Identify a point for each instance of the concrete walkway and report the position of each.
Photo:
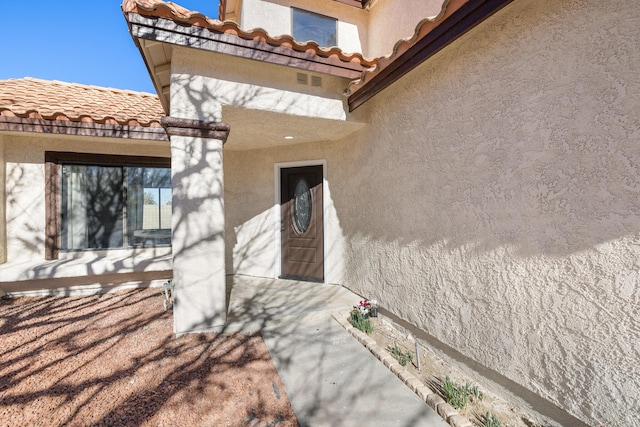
(330, 378)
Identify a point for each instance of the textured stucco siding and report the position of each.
(275, 17)
(495, 202)
(492, 200)
(25, 268)
(390, 21)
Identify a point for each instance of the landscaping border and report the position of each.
(430, 397)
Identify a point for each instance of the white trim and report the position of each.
(83, 290)
(276, 211)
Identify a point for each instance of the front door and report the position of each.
(301, 223)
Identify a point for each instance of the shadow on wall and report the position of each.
(251, 232)
(493, 202)
(26, 243)
(21, 225)
(249, 227)
(512, 254)
(251, 246)
(512, 147)
(495, 192)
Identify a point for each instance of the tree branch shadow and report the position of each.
(112, 359)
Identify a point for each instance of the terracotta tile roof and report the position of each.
(423, 28)
(54, 100)
(174, 12)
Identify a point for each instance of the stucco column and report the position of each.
(197, 223)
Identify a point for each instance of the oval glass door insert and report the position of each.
(302, 206)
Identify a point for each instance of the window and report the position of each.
(312, 26)
(105, 202)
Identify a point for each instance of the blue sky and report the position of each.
(78, 41)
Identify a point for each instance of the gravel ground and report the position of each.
(112, 359)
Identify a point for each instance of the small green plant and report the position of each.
(457, 395)
(490, 420)
(402, 357)
(474, 392)
(360, 321)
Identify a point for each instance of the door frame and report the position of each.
(277, 215)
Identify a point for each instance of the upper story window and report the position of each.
(312, 26)
(106, 202)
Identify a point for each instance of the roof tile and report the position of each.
(177, 13)
(423, 28)
(54, 100)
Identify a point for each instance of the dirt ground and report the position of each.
(112, 359)
(434, 369)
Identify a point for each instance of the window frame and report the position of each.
(335, 20)
(53, 188)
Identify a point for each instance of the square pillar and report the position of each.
(197, 224)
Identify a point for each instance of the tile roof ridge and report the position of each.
(423, 27)
(172, 11)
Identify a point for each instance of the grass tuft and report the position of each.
(490, 420)
(459, 396)
(361, 322)
(404, 358)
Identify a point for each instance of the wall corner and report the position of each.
(3, 203)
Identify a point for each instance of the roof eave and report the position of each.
(164, 99)
(86, 129)
(167, 31)
(450, 29)
(355, 3)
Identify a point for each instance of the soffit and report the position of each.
(254, 129)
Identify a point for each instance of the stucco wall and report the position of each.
(494, 202)
(3, 222)
(208, 93)
(250, 196)
(250, 225)
(390, 21)
(199, 90)
(275, 17)
(26, 268)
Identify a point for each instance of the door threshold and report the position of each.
(300, 278)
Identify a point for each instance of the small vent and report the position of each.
(316, 81)
(302, 78)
